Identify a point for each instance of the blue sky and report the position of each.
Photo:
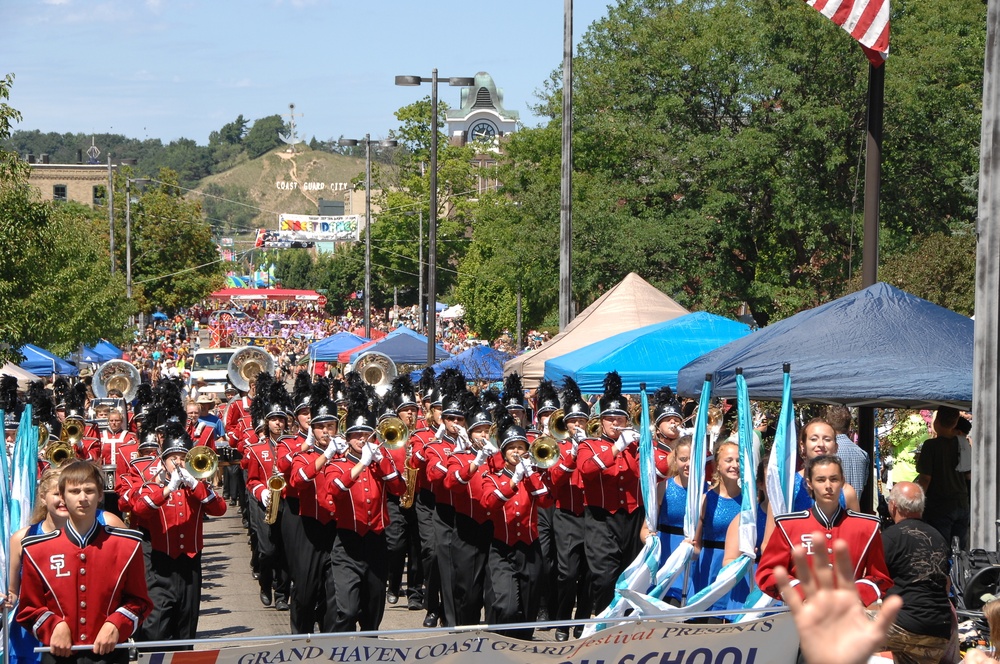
(182, 68)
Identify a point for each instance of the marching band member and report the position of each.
(546, 403)
(199, 430)
(667, 423)
(357, 483)
(229, 456)
(825, 478)
(402, 532)
(608, 469)
(436, 452)
(572, 576)
(63, 606)
(172, 508)
(260, 458)
(513, 401)
(298, 558)
(514, 495)
(425, 499)
(473, 529)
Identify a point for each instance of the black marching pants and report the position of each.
(424, 507)
(403, 539)
(270, 551)
(611, 541)
(470, 549)
(307, 545)
(360, 566)
(175, 589)
(514, 572)
(572, 574)
(444, 533)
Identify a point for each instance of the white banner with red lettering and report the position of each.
(771, 640)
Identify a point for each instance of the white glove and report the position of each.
(367, 455)
(175, 481)
(490, 449)
(265, 498)
(481, 456)
(341, 444)
(620, 444)
(376, 453)
(579, 436)
(518, 474)
(310, 439)
(331, 449)
(576, 448)
(529, 469)
(440, 432)
(630, 436)
(188, 478)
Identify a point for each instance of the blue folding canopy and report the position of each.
(476, 363)
(106, 347)
(403, 346)
(42, 363)
(651, 354)
(877, 347)
(93, 355)
(327, 350)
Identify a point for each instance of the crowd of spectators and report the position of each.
(286, 329)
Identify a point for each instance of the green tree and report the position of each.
(175, 262)
(263, 136)
(225, 212)
(716, 147)
(293, 268)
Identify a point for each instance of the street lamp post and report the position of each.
(432, 228)
(128, 231)
(367, 140)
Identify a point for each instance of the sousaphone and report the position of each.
(376, 369)
(117, 375)
(246, 364)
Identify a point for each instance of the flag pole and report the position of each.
(875, 107)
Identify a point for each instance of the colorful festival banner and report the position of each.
(771, 640)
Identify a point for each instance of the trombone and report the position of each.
(557, 425)
(544, 452)
(392, 433)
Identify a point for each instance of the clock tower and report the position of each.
(481, 119)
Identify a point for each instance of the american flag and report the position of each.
(865, 20)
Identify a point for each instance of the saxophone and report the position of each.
(410, 475)
(275, 484)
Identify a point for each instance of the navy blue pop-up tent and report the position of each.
(650, 354)
(108, 348)
(43, 363)
(877, 347)
(403, 346)
(476, 363)
(93, 355)
(326, 350)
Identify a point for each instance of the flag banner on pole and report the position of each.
(5, 530)
(867, 21)
(771, 640)
(748, 470)
(780, 478)
(696, 478)
(24, 475)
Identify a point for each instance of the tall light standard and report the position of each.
(432, 228)
(128, 230)
(367, 140)
(420, 268)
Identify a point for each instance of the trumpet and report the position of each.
(557, 425)
(392, 432)
(59, 452)
(201, 462)
(544, 452)
(72, 431)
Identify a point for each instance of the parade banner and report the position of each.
(771, 640)
(319, 229)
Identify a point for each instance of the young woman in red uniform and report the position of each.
(825, 479)
(514, 495)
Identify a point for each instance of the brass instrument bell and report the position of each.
(544, 452)
(557, 425)
(392, 432)
(201, 462)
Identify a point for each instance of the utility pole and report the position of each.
(111, 213)
(566, 187)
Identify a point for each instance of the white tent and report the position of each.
(456, 311)
(24, 378)
(631, 304)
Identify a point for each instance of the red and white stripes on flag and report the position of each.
(865, 20)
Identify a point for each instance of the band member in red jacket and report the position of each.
(260, 459)
(402, 533)
(425, 500)
(172, 508)
(608, 469)
(667, 423)
(514, 495)
(825, 479)
(60, 603)
(572, 576)
(358, 483)
(313, 599)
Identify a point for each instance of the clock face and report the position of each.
(482, 131)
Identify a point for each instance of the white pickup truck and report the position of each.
(210, 365)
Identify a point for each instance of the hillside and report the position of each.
(270, 181)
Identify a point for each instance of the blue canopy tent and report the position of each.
(42, 363)
(651, 354)
(403, 346)
(877, 347)
(326, 350)
(91, 355)
(108, 348)
(476, 363)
